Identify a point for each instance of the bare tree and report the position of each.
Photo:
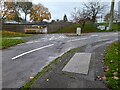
(81, 17)
(116, 17)
(94, 8)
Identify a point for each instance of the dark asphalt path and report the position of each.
(37, 53)
(60, 79)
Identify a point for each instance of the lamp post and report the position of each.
(111, 14)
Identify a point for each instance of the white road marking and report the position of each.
(109, 35)
(31, 51)
(77, 39)
(51, 37)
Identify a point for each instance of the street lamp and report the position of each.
(111, 14)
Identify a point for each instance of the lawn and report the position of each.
(89, 27)
(6, 39)
(10, 42)
(115, 27)
(72, 29)
(112, 63)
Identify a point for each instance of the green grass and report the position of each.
(115, 27)
(70, 29)
(6, 42)
(89, 27)
(13, 34)
(47, 68)
(112, 61)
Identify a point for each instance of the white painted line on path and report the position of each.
(77, 39)
(52, 38)
(109, 35)
(31, 51)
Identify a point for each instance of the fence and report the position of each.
(51, 27)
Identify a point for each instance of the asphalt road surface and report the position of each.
(21, 62)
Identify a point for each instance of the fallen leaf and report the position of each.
(31, 77)
(106, 69)
(47, 80)
(102, 61)
(98, 76)
(111, 61)
(115, 73)
(117, 69)
(100, 79)
(116, 78)
(103, 78)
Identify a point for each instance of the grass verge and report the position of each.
(7, 41)
(13, 34)
(115, 27)
(112, 63)
(89, 27)
(47, 68)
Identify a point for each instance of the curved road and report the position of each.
(26, 60)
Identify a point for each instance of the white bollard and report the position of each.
(78, 31)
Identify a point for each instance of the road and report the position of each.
(21, 62)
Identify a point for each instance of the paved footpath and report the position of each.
(21, 62)
(56, 78)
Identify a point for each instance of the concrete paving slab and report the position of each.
(79, 63)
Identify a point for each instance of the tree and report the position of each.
(25, 7)
(65, 18)
(111, 14)
(115, 18)
(107, 17)
(1, 10)
(94, 8)
(81, 17)
(10, 11)
(9, 7)
(39, 13)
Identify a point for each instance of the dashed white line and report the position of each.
(31, 51)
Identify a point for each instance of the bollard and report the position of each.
(78, 31)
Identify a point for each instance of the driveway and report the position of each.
(21, 62)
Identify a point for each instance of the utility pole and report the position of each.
(111, 14)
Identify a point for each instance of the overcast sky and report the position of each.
(61, 7)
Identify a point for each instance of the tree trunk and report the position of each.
(25, 16)
(1, 24)
(83, 25)
(93, 19)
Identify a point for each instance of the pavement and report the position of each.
(59, 78)
(21, 62)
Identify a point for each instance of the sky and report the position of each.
(61, 7)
